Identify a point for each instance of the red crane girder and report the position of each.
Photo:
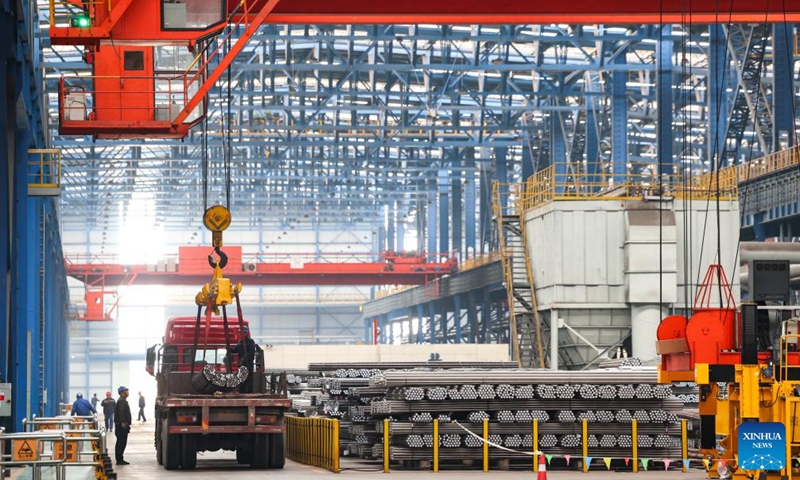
(191, 268)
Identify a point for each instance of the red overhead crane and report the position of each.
(132, 97)
(191, 268)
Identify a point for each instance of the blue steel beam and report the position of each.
(783, 95)
(664, 102)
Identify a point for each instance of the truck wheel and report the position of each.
(189, 452)
(171, 448)
(159, 451)
(260, 456)
(243, 455)
(277, 458)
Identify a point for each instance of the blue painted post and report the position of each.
(717, 97)
(420, 316)
(6, 22)
(430, 210)
(619, 122)
(558, 150)
(783, 93)
(485, 210)
(456, 200)
(527, 160)
(501, 175)
(444, 212)
(390, 226)
(486, 318)
(432, 321)
(457, 318)
(592, 159)
(664, 100)
(469, 202)
(472, 314)
(401, 233)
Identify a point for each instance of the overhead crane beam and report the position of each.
(500, 12)
(286, 269)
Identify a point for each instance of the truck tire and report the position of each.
(244, 455)
(277, 457)
(260, 456)
(189, 452)
(171, 448)
(159, 452)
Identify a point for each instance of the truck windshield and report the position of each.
(211, 355)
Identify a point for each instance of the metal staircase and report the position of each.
(746, 44)
(525, 322)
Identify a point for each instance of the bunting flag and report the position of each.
(588, 461)
(705, 463)
(645, 461)
(666, 461)
(627, 461)
(550, 457)
(686, 464)
(607, 461)
(568, 457)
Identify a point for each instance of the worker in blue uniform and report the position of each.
(82, 407)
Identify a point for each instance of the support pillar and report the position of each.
(716, 97)
(619, 122)
(444, 213)
(783, 97)
(469, 203)
(664, 100)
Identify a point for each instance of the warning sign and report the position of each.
(25, 450)
(46, 426)
(72, 451)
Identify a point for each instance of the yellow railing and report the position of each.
(313, 441)
(74, 7)
(479, 261)
(46, 179)
(574, 181)
(761, 166)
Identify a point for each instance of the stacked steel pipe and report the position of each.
(510, 399)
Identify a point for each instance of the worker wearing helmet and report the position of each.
(245, 350)
(82, 407)
(109, 405)
(122, 419)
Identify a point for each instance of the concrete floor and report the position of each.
(223, 466)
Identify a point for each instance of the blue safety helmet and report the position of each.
(79, 396)
(121, 389)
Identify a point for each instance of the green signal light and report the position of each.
(80, 21)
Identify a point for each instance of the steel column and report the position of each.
(783, 97)
(444, 212)
(664, 100)
(716, 96)
(457, 219)
(619, 122)
(469, 204)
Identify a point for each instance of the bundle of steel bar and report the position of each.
(435, 364)
(419, 378)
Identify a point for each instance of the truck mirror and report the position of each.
(151, 360)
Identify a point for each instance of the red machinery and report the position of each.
(712, 335)
(136, 93)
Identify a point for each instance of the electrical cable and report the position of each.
(714, 156)
(744, 195)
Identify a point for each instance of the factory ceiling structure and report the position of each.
(388, 126)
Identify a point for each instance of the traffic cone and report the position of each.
(542, 468)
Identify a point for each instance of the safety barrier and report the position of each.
(313, 441)
(84, 445)
(634, 460)
(44, 178)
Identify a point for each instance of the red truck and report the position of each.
(191, 420)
